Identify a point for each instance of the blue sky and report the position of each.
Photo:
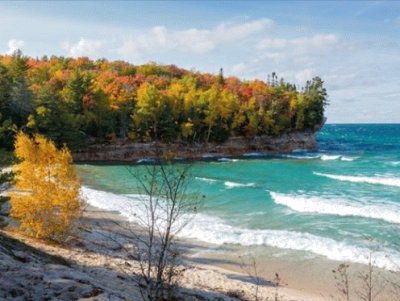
(354, 46)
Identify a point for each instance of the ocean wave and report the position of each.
(302, 157)
(323, 157)
(208, 180)
(253, 154)
(227, 160)
(387, 181)
(229, 184)
(389, 212)
(330, 157)
(214, 230)
(145, 160)
(348, 158)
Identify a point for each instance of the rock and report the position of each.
(234, 146)
(21, 256)
(5, 208)
(31, 275)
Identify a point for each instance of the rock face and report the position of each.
(29, 274)
(235, 146)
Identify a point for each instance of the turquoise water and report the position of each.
(338, 203)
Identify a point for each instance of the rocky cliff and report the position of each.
(236, 146)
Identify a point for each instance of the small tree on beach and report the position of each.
(161, 214)
(342, 281)
(47, 197)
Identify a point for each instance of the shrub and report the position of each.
(47, 199)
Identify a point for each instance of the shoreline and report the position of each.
(123, 151)
(304, 276)
(214, 272)
(93, 254)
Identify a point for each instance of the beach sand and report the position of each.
(214, 272)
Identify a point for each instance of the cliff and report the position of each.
(121, 151)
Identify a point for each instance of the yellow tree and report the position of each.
(47, 199)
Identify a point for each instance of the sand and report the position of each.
(211, 272)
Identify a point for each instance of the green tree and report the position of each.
(316, 99)
(20, 101)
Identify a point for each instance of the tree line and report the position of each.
(80, 101)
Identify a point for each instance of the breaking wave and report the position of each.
(387, 181)
(389, 212)
(216, 231)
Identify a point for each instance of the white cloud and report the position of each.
(84, 47)
(193, 40)
(14, 45)
(232, 32)
(315, 42)
(304, 75)
(238, 68)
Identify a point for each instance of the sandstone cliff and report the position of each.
(236, 146)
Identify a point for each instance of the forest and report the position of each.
(79, 101)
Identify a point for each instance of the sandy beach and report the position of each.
(211, 272)
(95, 252)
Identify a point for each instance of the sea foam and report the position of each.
(227, 160)
(207, 180)
(229, 184)
(330, 157)
(389, 211)
(387, 181)
(214, 230)
(348, 158)
(302, 157)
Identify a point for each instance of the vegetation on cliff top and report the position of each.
(78, 101)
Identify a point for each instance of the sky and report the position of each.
(353, 46)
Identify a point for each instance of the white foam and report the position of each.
(214, 230)
(253, 154)
(145, 160)
(208, 180)
(388, 181)
(228, 160)
(229, 184)
(329, 157)
(302, 157)
(348, 158)
(389, 211)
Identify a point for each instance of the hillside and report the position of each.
(81, 102)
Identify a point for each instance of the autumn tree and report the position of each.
(47, 198)
(78, 101)
(149, 101)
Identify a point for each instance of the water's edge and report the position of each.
(235, 146)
